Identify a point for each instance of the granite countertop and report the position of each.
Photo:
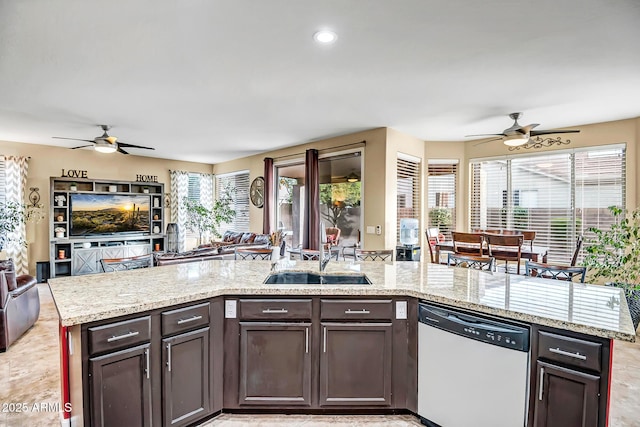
(590, 309)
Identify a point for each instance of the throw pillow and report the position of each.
(10, 273)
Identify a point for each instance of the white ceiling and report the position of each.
(208, 81)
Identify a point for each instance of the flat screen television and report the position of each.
(107, 214)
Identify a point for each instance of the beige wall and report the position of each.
(373, 174)
(47, 161)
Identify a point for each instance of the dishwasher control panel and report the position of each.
(479, 328)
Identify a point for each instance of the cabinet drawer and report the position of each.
(356, 309)
(250, 309)
(184, 319)
(119, 335)
(571, 351)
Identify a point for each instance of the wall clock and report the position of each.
(256, 192)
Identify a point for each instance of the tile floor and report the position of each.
(30, 386)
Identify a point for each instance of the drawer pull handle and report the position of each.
(576, 355)
(275, 310)
(363, 311)
(541, 383)
(324, 350)
(122, 337)
(306, 340)
(190, 319)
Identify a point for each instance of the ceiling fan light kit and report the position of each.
(516, 140)
(105, 147)
(352, 177)
(106, 143)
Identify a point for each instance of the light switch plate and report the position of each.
(230, 308)
(371, 229)
(401, 309)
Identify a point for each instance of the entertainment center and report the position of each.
(92, 220)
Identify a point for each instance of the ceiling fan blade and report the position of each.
(527, 128)
(484, 142)
(550, 131)
(73, 139)
(487, 134)
(82, 146)
(124, 144)
(120, 150)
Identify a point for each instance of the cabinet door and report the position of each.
(275, 363)
(85, 261)
(355, 364)
(565, 397)
(186, 385)
(120, 388)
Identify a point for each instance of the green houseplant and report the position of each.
(200, 219)
(613, 255)
(11, 216)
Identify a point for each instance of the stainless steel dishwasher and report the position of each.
(472, 371)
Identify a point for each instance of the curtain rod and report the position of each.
(360, 143)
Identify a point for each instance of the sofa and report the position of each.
(224, 249)
(19, 304)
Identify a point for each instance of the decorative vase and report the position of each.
(156, 229)
(60, 203)
(59, 235)
(145, 190)
(113, 188)
(60, 218)
(156, 202)
(275, 253)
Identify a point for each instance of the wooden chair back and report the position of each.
(470, 261)
(556, 272)
(253, 254)
(129, 263)
(385, 255)
(432, 239)
(505, 248)
(468, 243)
(574, 258)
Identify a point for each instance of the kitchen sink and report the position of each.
(294, 277)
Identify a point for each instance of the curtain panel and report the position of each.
(16, 169)
(179, 190)
(269, 196)
(312, 200)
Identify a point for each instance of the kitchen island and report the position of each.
(224, 312)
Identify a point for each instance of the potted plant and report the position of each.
(613, 255)
(145, 190)
(60, 199)
(202, 220)
(73, 186)
(440, 217)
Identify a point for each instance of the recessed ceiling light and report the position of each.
(325, 36)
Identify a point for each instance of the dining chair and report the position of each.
(471, 261)
(557, 272)
(253, 254)
(505, 248)
(128, 263)
(432, 234)
(374, 255)
(574, 258)
(468, 243)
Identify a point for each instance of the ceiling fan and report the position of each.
(105, 143)
(517, 135)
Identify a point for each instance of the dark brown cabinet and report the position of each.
(185, 377)
(275, 363)
(569, 379)
(565, 397)
(121, 388)
(355, 364)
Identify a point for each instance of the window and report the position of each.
(408, 182)
(3, 181)
(558, 195)
(442, 176)
(236, 186)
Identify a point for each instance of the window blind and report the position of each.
(3, 181)
(558, 195)
(408, 190)
(235, 186)
(441, 195)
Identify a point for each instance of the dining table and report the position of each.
(534, 253)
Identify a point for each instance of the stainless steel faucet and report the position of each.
(322, 239)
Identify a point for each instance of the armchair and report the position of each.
(19, 304)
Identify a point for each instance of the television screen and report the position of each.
(93, 214)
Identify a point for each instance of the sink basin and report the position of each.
(297, 278)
